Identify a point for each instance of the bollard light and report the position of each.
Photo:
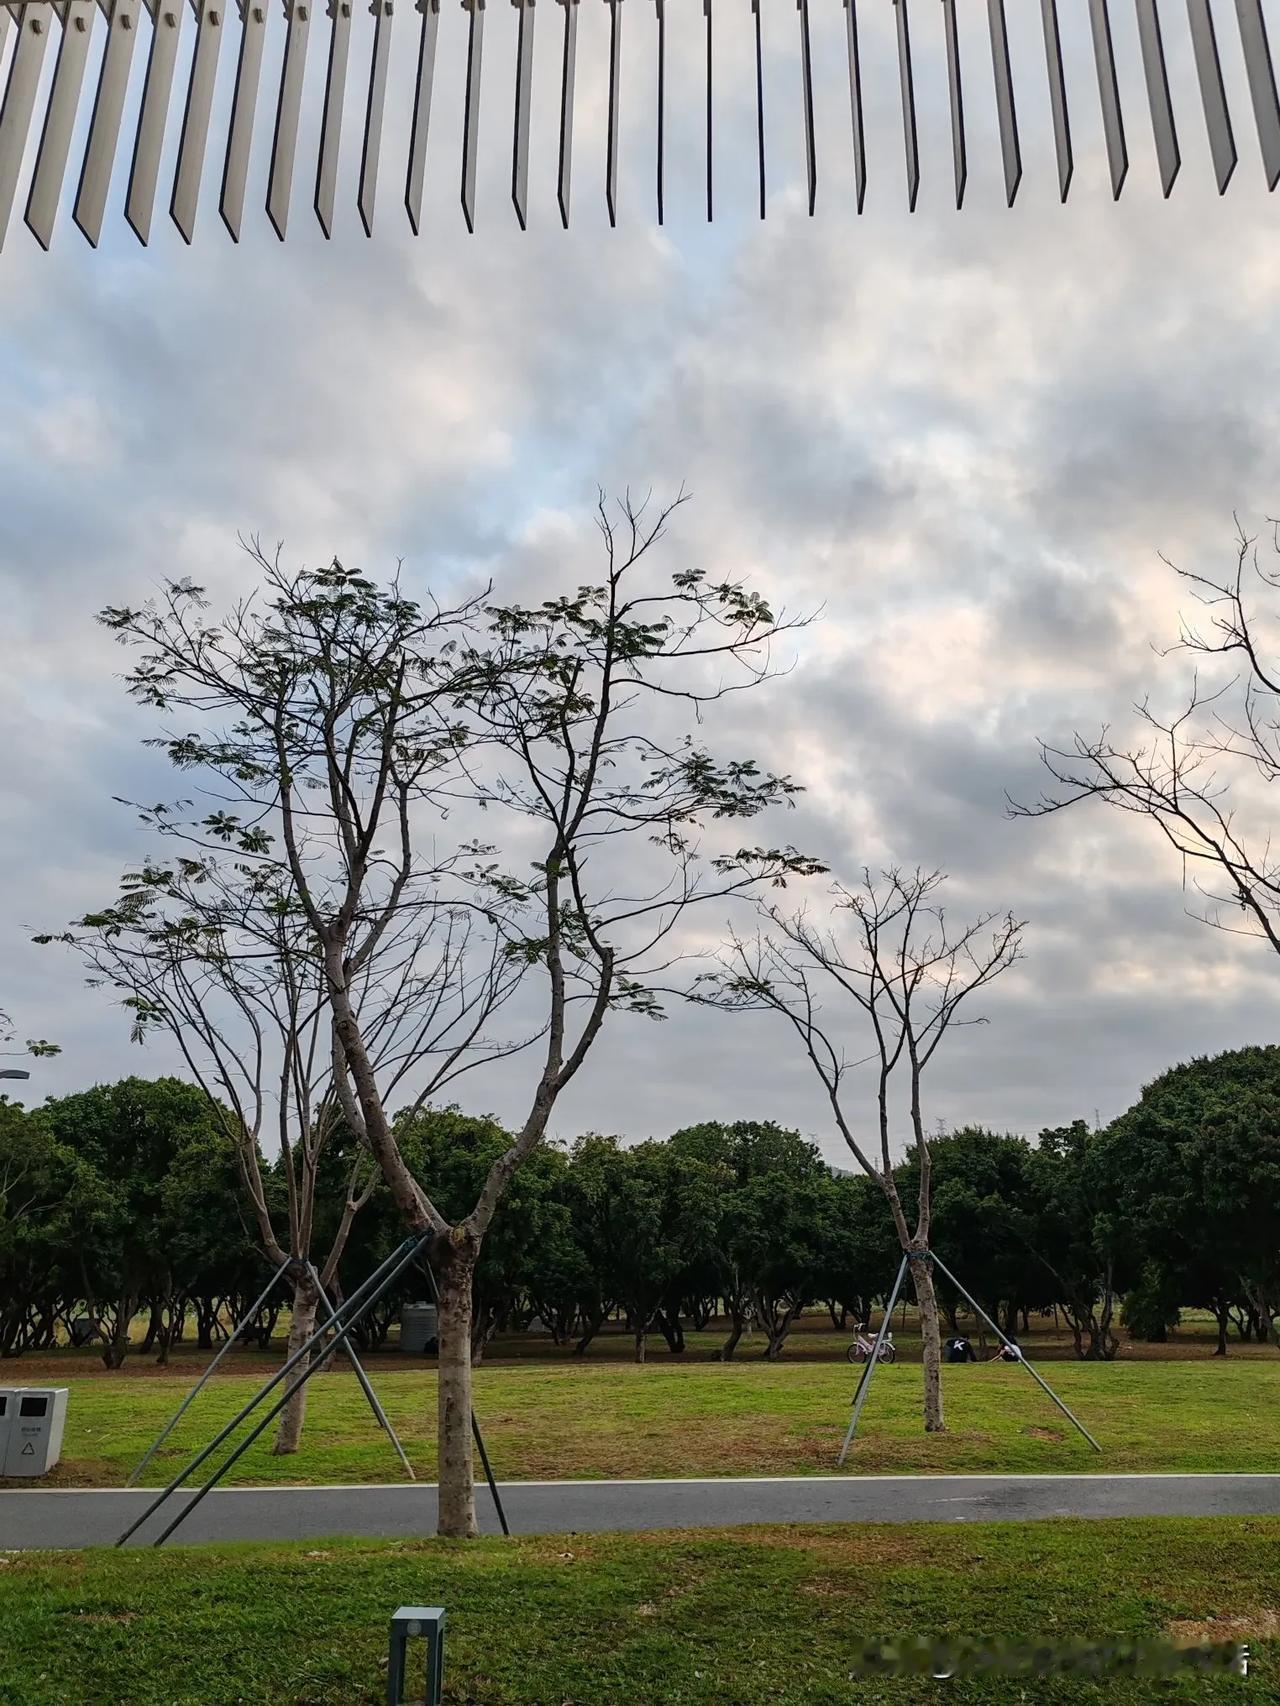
(416, 1622)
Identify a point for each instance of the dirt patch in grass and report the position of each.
(853, 1545)
(1260, 1625)
(1054, 1434)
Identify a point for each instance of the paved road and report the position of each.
(87, 1518)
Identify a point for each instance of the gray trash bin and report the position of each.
(34, 1445)
(419, 1329)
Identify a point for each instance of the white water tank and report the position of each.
(419, 1329)
(37, 1415)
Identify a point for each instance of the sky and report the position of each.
(965, 438)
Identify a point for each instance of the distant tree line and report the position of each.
(123, 1202)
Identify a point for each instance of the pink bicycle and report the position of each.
(861, 1348)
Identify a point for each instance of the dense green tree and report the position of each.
(983, 1222)
(129, 1136)
(644, 1215)
(859, 1252)
(765, 1259)
(1191, 1168)
(52, 1204)
(1079, 1235)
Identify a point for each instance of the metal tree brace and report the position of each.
(76, 20)
(334, 1332)
(864, 1384)
(285, 1270)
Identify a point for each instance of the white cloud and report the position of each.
(965, 436)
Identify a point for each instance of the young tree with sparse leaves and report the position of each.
(892, 955)
(351, 727)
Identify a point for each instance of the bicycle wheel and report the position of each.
(855, 1353)
(888, 1353)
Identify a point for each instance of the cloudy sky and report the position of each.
(965, 437)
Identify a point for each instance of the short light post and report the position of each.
(409, 1622)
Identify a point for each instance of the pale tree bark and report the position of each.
(931, 1335)
(306, 1300)
(456, 1261)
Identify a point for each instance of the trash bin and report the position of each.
(37, 1416)
(419, 1329)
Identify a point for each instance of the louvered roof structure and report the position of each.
(98, 46)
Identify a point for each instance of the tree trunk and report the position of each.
(306, 1300)
(931, 1333)
(1222, 1319)
(591, 1325)
(735, 1333)
(456, 1518)
(672, 1330)
(117, 1348)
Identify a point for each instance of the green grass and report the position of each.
(546, 1421)
(729, 1617)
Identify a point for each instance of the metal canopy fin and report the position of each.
(195, 118)
(661, 9)
(414, 180)
(855, 102)
(144, 169)
(371, 149)
(19, 102)
(956, 96)
(564, 169)
(615, 67)
(104, 126)
(1158, 98)
(1057, 94)
(1213, 97)
(335, 89)
(471, 107)
(806, 73)
(755, 13)
(907, 84)
(1262, 85)
(244, 101)
(284, 142)
(1109, 94)
(59, 119)
(706, 8)
(524, 91)
(1006, 111)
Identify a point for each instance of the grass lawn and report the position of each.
(544, 1421)
(728, 1617)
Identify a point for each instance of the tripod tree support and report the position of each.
(340, 1337)
(864, 1385)
(186, 1403)
(380, 1415)
(1074, 1420)
(239, 1329)
(348, 1313)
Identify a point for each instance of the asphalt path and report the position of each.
(75, 1517)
